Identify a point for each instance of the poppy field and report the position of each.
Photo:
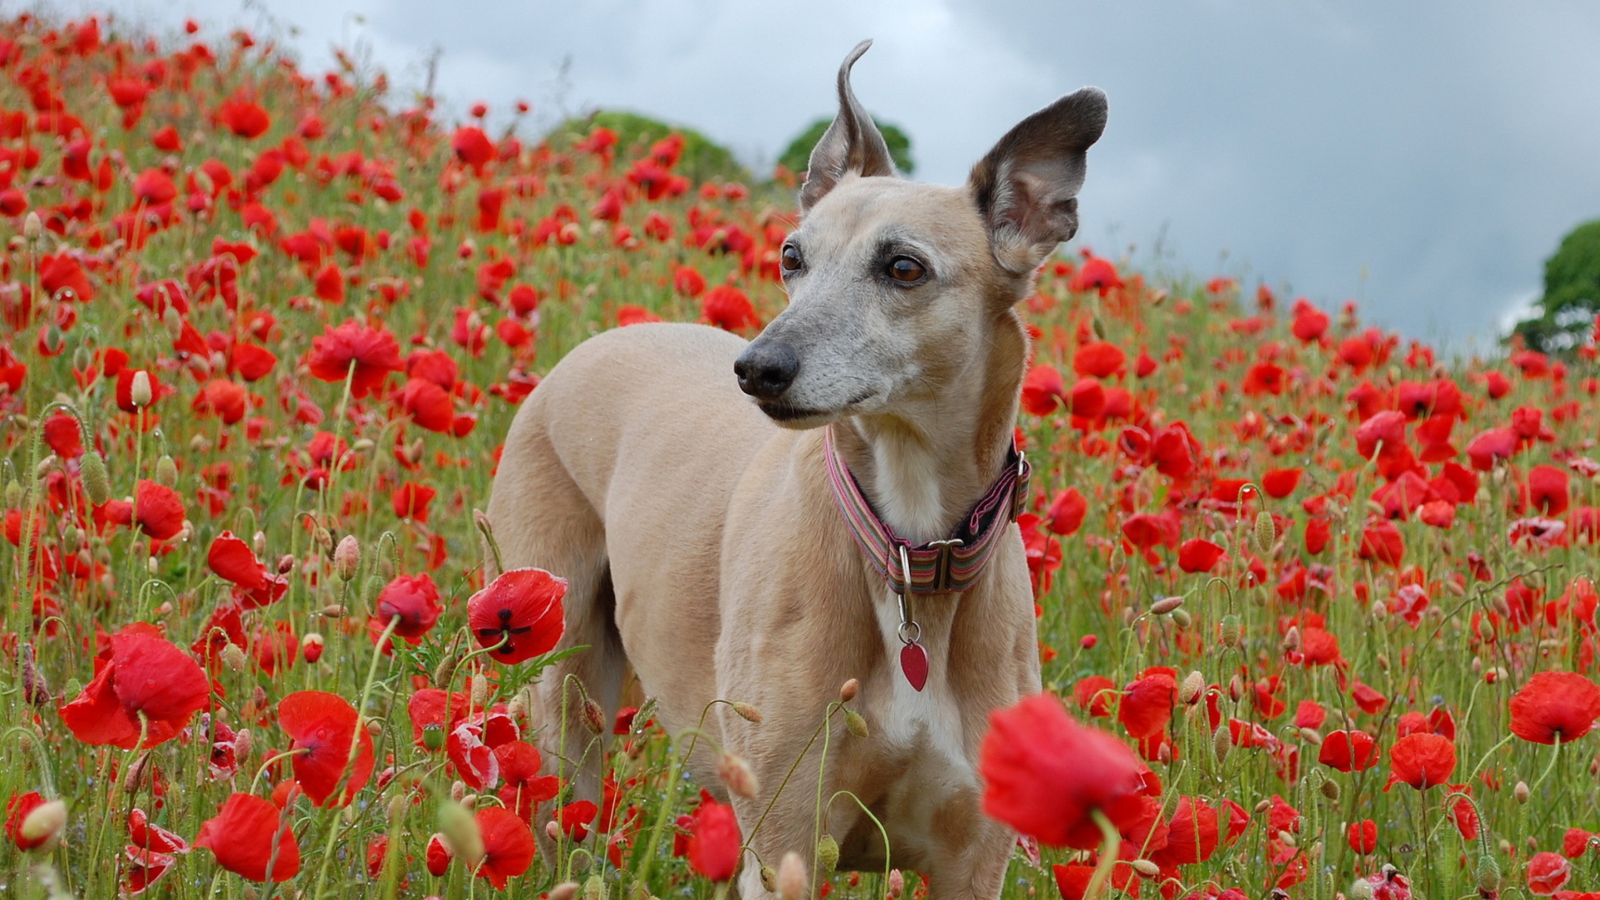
(1316, 605)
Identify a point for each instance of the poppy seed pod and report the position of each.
(854, 723)
(140, 392)
(747, 712)
(96, 480)
(827, 853)
(1266, 533)
(32, 226)
(1231, 631)
(1193, 685)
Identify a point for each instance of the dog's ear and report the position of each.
(1026, 187)
(851, 144)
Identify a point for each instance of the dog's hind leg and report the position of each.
(541, 518)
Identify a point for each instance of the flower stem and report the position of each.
(1108, 856)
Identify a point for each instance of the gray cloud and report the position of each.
(1423, 158)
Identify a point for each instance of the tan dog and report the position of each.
(703, 541)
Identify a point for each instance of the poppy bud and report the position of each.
(433, 736)
(791, 877)
(1266, 533)
(1521, 792)
(96, 480)
(139, 390)
(1182, 618)
(478, 689)
(43, 825)
(854, 723)
(1165, 605)
(594, 718)
(827, 853)
(258, 544)
(347, 557)
(1330, 789)
(1235, 688)
(469, 801)
(747, 712)
(1232, 630)
(1291, 639)
(897, 883)
(737, 775)
(334, 611)
(769, 879)
(1311, 736)
(461, 833)
(133, 778)
(552, 830)
(200, 444)
(1487, 874)
(323, 538)
(1192, 686)
(445, 671)
(233, 657)
(286, 564)
(594, 888)
(311, 647)
(1145, 868)
(847, 691)
(566, 890)
(166, 471)
(14, 494)
(376, 583)
(243, 743)
(32, 226)
(1221, 743)
(203, 182)
(72, 539)
(34, 687)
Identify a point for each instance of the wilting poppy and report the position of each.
(372, 352)
(522, 608)
(1555, 704)
(507, 845)
(323, 726)
(1421, 761)
(714, 841)
(241, 836)
(1044, 773)
(146, 677)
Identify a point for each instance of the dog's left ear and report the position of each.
(852, 144)
(1026, 187)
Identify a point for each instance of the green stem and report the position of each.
(1108, 855)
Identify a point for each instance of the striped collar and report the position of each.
(950, 565)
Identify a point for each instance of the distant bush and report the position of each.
(703, 160)
(1571, 293)
(798, 154)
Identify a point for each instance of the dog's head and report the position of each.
(893, 285)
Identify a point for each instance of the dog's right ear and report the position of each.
(1026, 187)
(852, 144)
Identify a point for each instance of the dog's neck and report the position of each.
(927, 463)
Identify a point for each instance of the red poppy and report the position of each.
(428, 405)
(428, 706)
(1369, 698)
(1348, 751)
(323, 726)
(410, 501)
(472, 146)
(1547, 873)
(1098, 359)
(524, 787)
(522, 608)
(244, 118)
(1422, 761)
(17, 810)
(1072, 880)
(1199, 555)
(157, 509)
(714, 841)
(414, 599)
(507, 845)
(142, 676)
(1363, 836)
(1044, 774)
(1555, 705)
(1094, 694)
(233, 560)
(1547, 490)
(372, 352)
(1381, 542)
(1490, 447)
(1193, 833)
(728, 308)
(438, 856)
(1146, 705)
(1067, 512)
(1280, 483)
(1042, 390)
(241, 836)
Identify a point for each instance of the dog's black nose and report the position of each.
(766, 370)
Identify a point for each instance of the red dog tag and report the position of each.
(914, 662)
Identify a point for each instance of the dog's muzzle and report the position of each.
(766, 369)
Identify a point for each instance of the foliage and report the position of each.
(703, 159)
(1571, 302)
(797, 155)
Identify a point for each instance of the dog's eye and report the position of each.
(905, 270)
(789, 258)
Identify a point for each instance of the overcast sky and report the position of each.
(1423, 158)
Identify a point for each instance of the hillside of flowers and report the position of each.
(1317, 607)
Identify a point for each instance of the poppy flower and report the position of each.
(144, 675)
(520, 764)
(1422, 761)
(1072, 880)
(1555, 705)
(156, 508)
(241, 837)
(728, 308)
(233, 560)
(1199, 555)
(411, 500)
(1193, 832)
(323, 726)
(472, 146)
(372, 352)
(1547, 873)
(1067, 512)
(428, 405)
(1547, 490)
(414, 599)
(1146, 705)
(714, 841)
(1098, 359)
(1044, 773)
(1348, 751)
(522, 608)
(1042, 390)
(244, 118)
(1363, 836)
(17, 810)
(507, 845)
(1381, 542)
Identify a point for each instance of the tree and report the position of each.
(702, 159)
(1566, 312)
(798, 154)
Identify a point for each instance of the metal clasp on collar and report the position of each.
(941, 575)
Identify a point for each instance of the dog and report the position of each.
(737, 520)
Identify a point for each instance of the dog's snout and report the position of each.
(766, 370)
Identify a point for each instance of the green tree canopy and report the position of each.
(1571, 293)
(703, 160)
(798, 154)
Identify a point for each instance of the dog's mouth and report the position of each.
(792, 416)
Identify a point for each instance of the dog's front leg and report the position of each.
(974, 852)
